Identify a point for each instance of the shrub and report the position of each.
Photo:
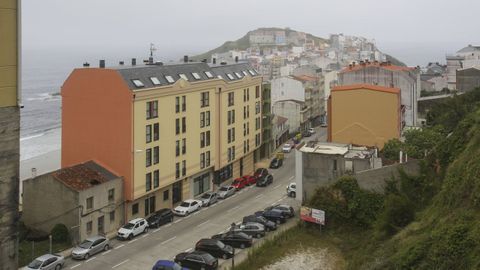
(392, 148)
(60, 233)
(397, 213)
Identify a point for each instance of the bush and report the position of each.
(36, 235)
(397, 213)
(392, 148)
(60, 233)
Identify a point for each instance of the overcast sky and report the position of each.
(415, 31)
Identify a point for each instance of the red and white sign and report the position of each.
(312, 215)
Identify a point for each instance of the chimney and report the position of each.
(185, 58)
(214, 61)
(353, 63)
(150, 60)
(350, 66)
(236, 59)
(134, 61)
(86, 64)
(102, 64)
(121, 63)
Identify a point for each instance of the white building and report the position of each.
(285, 88)
(297, 113)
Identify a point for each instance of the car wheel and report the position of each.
(58, 267)
(224, 256)
(106, 247)
(202, 268)
(267, 229)
(86, 256)
(292, 194)
(258, 235)
(242, 246)
(171, 219)
(278, 221)
(145, 230)
(130, 236)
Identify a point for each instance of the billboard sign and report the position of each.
(312, 215)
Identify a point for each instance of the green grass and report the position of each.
(25, 250)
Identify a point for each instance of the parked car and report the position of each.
(251, 180)
(287, 210)
(240, 183)
(167, 265)
(133, 228)
(215, 247)
(269, 225)
(273, 215)
(187, 207)
(197, 260)
(265, 181)
(286, 148)
(276, 163)
(254, 229)
(90, 246)
(47, 262)
(226, 191)
(311, 130)
(235, 239)
(260, 173)
(209, 198)
(161, 217)
(292, 189)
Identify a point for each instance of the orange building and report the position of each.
(364, 114)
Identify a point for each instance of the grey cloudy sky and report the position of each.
(415, 31)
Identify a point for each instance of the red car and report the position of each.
(260, 173)
(251, 180)
(240, 183)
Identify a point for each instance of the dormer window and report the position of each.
(138, 83)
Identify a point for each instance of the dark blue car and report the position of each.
(167, 265)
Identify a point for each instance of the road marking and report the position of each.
(277, 186)
(117, 265)
(187, 217)
(145, 235)
(131, 241)
(273, 204)
(213, 205)
(168, 225)
(188, 250)
(106, 252)
(178, 220)
(203, 223)
(122, 245)
(195, 213)
(166, 241)
(259, 196)
(76, 265)
(234, 195)
(291, 178)
(156, 230)
(234, 208)
(91, 259)
(279, 200)
(220, 202)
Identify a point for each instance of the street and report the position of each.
(164, 243)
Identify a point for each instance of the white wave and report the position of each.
(32, 136)
(45, 97)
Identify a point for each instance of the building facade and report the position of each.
(364, 114)
(88, 200)
(281, 130)
(9, 131)
(468, 79)
(268, 146)
(171, 131)
(297, 113)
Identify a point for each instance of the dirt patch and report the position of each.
(317, 259)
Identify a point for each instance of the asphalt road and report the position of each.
(164, 243)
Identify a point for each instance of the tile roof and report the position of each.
(306, 78)
(366, 86)
(83, 176)
(383, 65)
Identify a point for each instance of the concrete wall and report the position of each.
(468, 79)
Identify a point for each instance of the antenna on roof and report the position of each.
(152, 49)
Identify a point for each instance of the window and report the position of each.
(169, 79)
(230, 76)
(89, 227)
(134, 209)
(248, 94)
(257, 91)
(334, 164)
(244, 95)
(156, 179)
(207, 138)
(257, 107)
(244, 147)
(89, 203)
(229, 136)
(231, 97)
(207, 158)
(148, 181)
(201, 184)
(202, 119)
(184, 167)
(196, 76)
(238, 75)
(209, 74)
(202, 160)
(177, 148)
(184, 146)
(177, 170)
(229, 154)
(233, 152)
(152, 109)
(244, 73)
(156, 132)
(248, 128)
(251, 72)
(183, 76)
(244, 112)
(184, 125)
(177, 126)
(184, 103)
(204, 99)
(166, 195)
(111, 194)
(207, 118)
(156, 155)
(138, 83)
(148, 132)
(233, 134)
(148, 159)
(112, 216)
(257, 123)
(177, 104)
(220, 77)
(202, 139)
(244, 129)
(155, 80)
(248, 111)
(257, 140)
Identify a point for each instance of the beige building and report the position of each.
(364, 114)
(9, 131)
(87, 198)
(171, 131)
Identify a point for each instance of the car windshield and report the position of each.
(223, 188)
(220, 244)
(236, 182)
(128, 226)
(35, 264)
(86, 244)
(185, 204)
(206, 196)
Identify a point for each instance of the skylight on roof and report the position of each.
(220, 77)
(209, 74)
(230, 76)
(245, 73)
(196, 76)
(138, 83)
(238, 75)
(251, 72)
(183, 76)
(169, 79)
(155, 80)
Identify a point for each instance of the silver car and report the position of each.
(209, 198)
(90, 246)
(47, 262)
(226, 191)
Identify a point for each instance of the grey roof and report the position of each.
(469, 48)
(145, 72)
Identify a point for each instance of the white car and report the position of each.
(292, 189)
(187, 207)
(311, 130)
(287, 148)
(226, 191)
(133, 228)
(47, 262)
